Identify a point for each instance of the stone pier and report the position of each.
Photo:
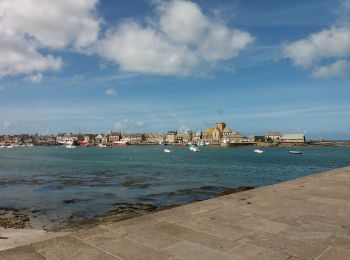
(306, 218)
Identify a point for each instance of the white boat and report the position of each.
(168, 151)
(194, 149)
(10, 146)
(295, 152)
(102, 146)
(258, 151)
(70, 146)
(30, 145)
(2, 146)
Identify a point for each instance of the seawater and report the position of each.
(96, 180)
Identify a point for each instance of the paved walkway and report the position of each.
(306, 218)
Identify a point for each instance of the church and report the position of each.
(222, 133)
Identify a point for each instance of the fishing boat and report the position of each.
(168, 151)
(70, 146)
(120, 143)
(102, 146)
(258, 151)
(84, 143)
(295, 152)
(194, 149)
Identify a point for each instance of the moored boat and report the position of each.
(120, 143)
(168, 151)
(295, 152)
(194, 149)
(70, 146)
(258, 151)
(84, 143)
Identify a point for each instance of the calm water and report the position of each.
(42, 178)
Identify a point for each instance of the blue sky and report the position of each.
(277, 65)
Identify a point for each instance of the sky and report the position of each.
(154, 66)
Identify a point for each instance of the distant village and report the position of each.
(220, 134)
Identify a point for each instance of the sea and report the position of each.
(61, 185)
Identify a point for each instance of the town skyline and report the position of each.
(131, 66)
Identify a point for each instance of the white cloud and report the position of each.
(35, 78)
(144, 50)
(335, 69)
(179, 40)
(128, 125)
(328, 43)
(110, 92)
(19, 56)
(27, 26)
(331, 44)
(54, 24)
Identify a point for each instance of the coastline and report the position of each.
(303, 218)
(14, 233)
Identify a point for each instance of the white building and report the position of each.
(293, 138)
(274, 136)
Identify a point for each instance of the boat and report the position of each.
(168, 151)
(70, 146)
(102, 146)
(120, 143)
(258, 151)
(295, 152)
(194, 149)
(84, 143)
(10, 146)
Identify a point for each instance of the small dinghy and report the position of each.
(258, 151)
(194, 149)
(168, 151)
(295, 152)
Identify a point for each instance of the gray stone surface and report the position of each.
(306, 218)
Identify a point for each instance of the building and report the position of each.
(171, 136)
(154, 138)
(197, 137)
(274, 136)
(133, 138)
(101, 139)
(293, 138)
(113, 137)
(222, 133)
(185, 136)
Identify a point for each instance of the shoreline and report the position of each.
(303, 218)
(16, 230)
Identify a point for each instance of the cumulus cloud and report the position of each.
(26, 27)
(128, 125)
(110, 92)
(54, 24)
(18, 55)
(145, 50)
(328, 44)
(179, 40)
(335, 69)
(35, 78)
